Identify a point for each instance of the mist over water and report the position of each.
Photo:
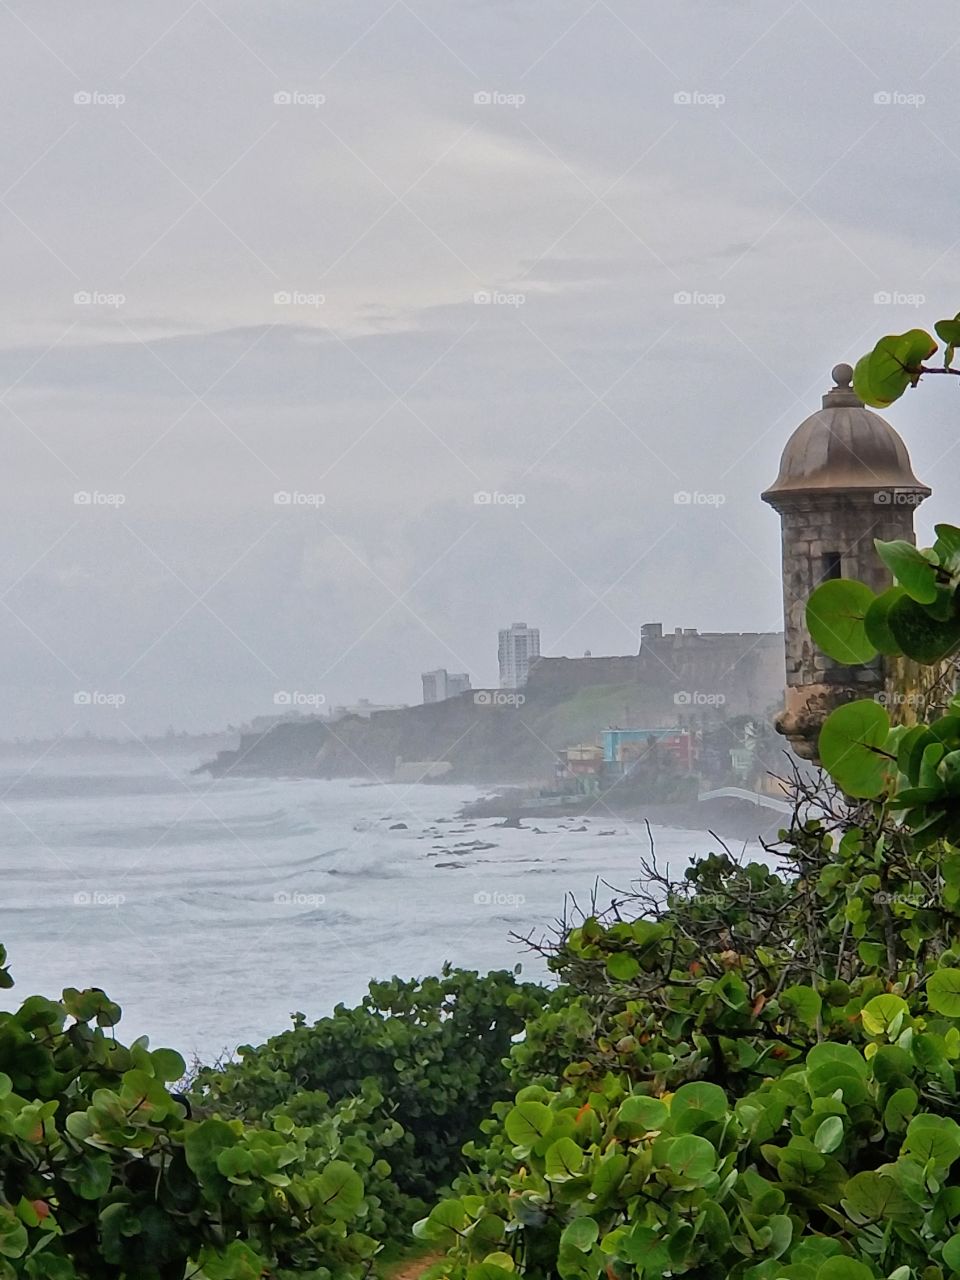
(210, 912)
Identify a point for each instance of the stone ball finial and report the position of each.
(842, 375)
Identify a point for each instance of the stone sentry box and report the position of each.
(845, 479)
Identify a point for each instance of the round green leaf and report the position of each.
(951, 1253)
(947, 547)
(564, 1160)
(935, 1138)
(642, 1115)
(623, 966)
(894, 364)
(912, 570)
(698, 1101)
(853, 747)
(877, 622)
(690, 1157)
(581, 1233)
(844, 1269)
(884, 1015)
(919, 634)
(168, 1065)
(836, 612)
(948, 331)
(829, 1135)
(943, 992)
(339, 1189)
(802, 1002)
(527, 1123)
(873, 1197)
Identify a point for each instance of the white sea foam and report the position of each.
(212, 910)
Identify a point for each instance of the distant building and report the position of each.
(519, 649)
(442, 684)
(364, 708)
(624, 748)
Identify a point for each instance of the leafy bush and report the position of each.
(432, 1051)
(104, 1176)
(761, 1083)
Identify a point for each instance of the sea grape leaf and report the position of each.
(642, 1115)
(947, 547)
(803, 1003)
(943, 992)
(919, 634)
(853, 747)
(339, 1189)
(895, 363)
(564, 1160)
(527, 1123)
(884, 1015)
(876, 623)
(912, 570)
(623, 966)
(836, 614)
(695, 1102)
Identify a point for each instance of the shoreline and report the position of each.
(730, 819)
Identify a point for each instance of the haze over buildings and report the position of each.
(518, 649)
(442, 684)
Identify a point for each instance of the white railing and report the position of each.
(754, 797)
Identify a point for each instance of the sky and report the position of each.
(338, 336)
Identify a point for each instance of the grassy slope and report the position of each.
(580, 718)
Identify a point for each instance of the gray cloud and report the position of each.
(596, 397)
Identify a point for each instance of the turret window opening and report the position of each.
(830, 566)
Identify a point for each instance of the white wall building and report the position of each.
(442, 684)
(519, 648)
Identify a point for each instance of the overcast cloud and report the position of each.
(813, 165)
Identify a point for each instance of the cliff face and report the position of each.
(285, 750)
(493, 737)
(484, 742)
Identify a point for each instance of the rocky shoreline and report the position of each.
(730, 819)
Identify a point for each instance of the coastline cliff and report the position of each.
(495, 736)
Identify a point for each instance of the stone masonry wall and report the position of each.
(811, 530)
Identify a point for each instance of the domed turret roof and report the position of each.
(843, 447)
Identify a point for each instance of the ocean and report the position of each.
(211, 910)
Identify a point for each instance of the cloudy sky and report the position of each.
(381, 256)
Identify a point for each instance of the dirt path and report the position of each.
(414, 1268)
